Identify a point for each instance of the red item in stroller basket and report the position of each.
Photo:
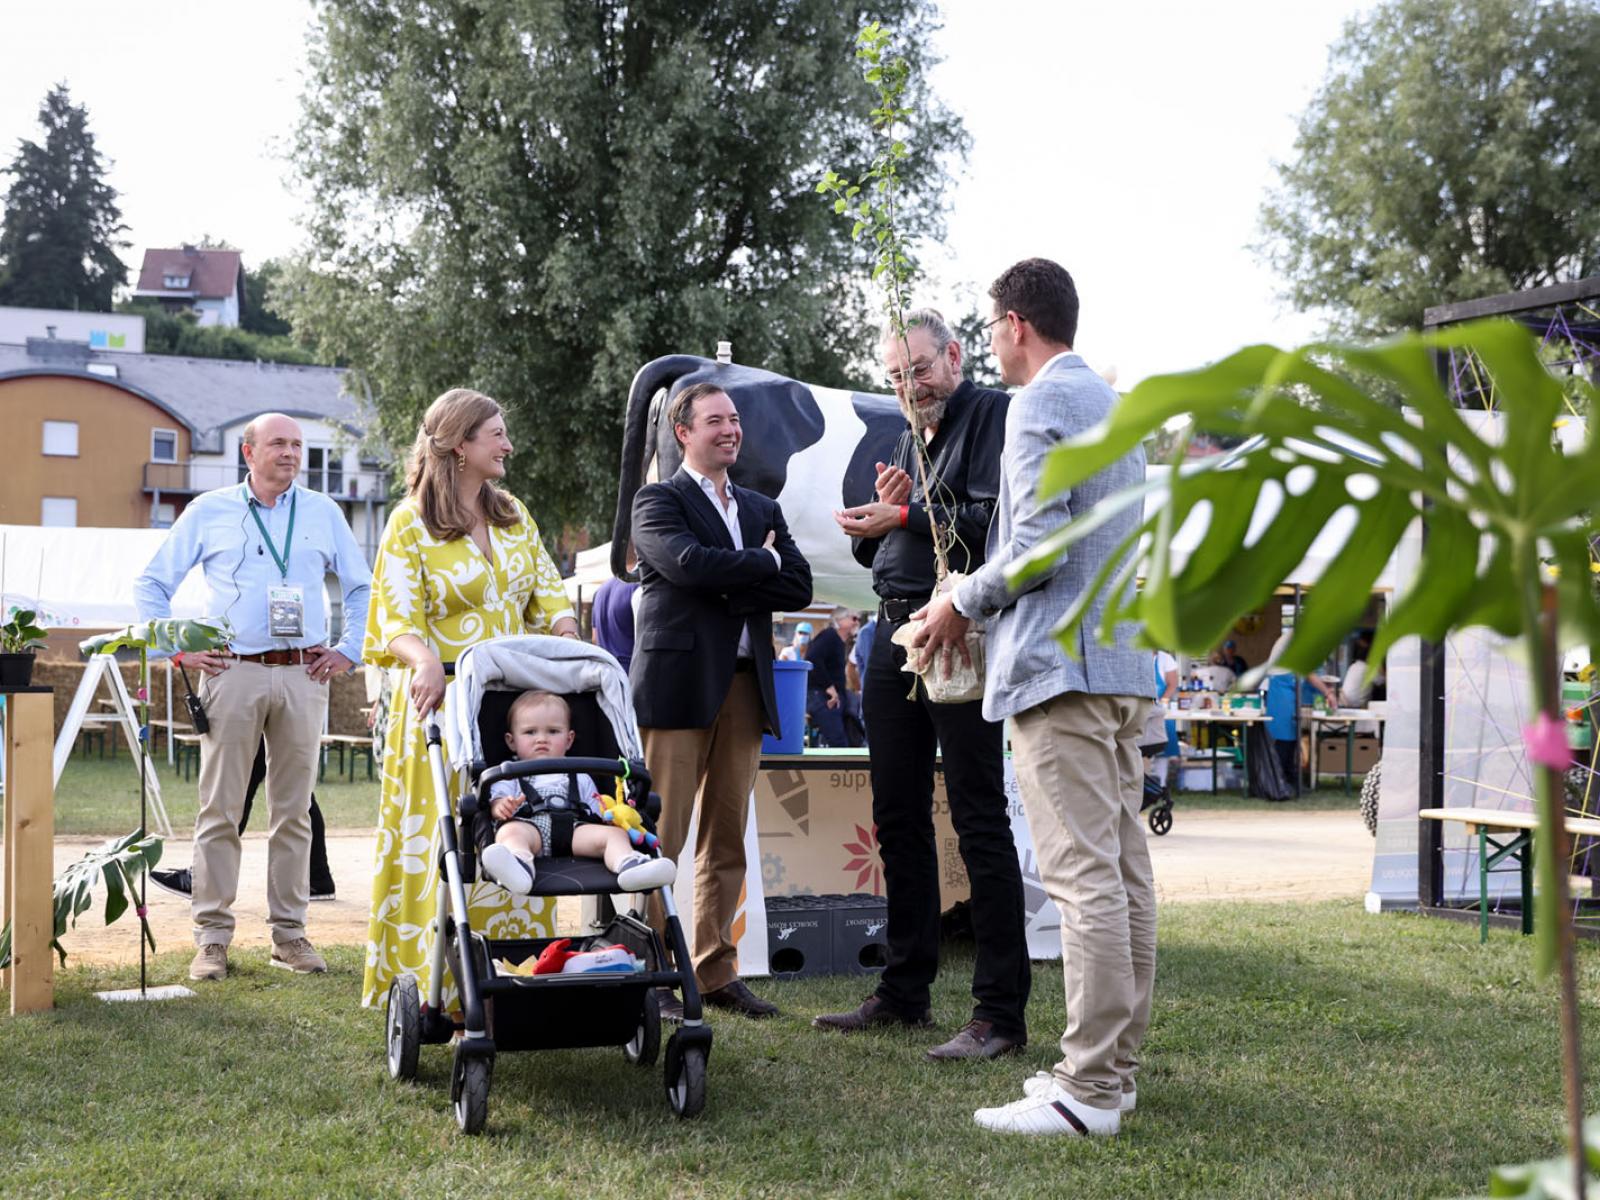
(553, 957)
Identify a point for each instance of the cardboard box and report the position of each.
(1364, 755)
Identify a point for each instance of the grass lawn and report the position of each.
(1308, 1051)
(101, 796)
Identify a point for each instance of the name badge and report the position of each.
(286, 611)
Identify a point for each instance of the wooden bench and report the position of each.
(1489, 822)
(349, 747)
(186, 750)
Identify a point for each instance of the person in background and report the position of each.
(855, 674)
(180, 880)
(267, 546)
(611, 616)
(826, 684)
(1234, 660)
(797, 649)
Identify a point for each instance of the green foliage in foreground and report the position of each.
(1308, 1051)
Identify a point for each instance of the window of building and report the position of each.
(164, 445)
(61, 438)
(175, 281)
(163, 515)
(59, 511)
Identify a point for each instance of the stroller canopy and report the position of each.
(549, 664)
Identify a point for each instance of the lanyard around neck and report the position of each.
(288, 542)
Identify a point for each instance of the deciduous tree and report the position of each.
(1453, 151)
(535, 198)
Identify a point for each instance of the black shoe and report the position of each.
(735, 997)
(669, 1006)
(322, 889)
(179, 882)
(876, 1011)
(977, 1039)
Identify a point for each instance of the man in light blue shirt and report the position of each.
(266, 547)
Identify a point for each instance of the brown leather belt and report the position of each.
(277, 658)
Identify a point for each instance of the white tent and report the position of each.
(83, 578)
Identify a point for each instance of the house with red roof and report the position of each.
(211, 282)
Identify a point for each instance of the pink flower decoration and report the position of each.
(141, 912)
(1546, 740)
(143, 694)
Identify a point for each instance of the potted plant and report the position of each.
(18, 637)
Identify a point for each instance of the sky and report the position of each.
(1134, 144)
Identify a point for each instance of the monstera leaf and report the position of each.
(119, 863)
(168, 635)
(1499, 517)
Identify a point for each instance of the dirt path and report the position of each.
(1280, 855)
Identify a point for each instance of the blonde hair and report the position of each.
(533, 699)
(431, 474)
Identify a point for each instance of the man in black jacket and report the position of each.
(714, 562)
(960, 429)
(827, 688)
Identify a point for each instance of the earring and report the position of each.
(461, 462)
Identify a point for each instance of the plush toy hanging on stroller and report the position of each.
(506, 1011)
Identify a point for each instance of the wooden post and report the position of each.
(29, 845)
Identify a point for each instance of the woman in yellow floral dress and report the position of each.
(460, 562)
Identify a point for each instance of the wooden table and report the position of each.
(1492, 821)
(1339, 716)
(29, 896)
(1221, 716)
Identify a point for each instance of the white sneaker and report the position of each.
(1049, 1111)
(640, 873)
(1042, 1081)
(508, 869)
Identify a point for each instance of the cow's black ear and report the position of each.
(884, 421)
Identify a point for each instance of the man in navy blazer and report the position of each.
(714, 562)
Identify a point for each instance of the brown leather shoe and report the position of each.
(977, 1039)
(735, 997)
(876, 1011)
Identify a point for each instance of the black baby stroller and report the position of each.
(505, 1012)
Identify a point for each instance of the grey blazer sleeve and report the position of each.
(1037, 421)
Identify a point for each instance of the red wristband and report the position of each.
(905, 515)
(177, 658)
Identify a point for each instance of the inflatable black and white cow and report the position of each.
(813, 449)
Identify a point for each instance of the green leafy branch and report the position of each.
(870, 202)
(20, 634)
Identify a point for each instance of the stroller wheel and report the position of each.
(1160, 819)
(470, 1091)
(645, 1045)
(403, 1026)
(686, 1077)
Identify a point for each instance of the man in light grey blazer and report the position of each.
(1076, 723)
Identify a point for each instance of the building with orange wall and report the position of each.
(124, 440)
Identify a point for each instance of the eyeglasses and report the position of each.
(920, 370)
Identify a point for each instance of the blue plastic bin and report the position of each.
(789, 684)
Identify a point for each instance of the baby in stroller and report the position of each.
(554, 815)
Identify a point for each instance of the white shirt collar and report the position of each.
(705, 483)
(1052, 361)
(250, 495)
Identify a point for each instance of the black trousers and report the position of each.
(904, 735)
(321, 876)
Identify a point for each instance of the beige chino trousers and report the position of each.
(715, 769)
(243, 703)
(1081, 776)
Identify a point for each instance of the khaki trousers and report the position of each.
(243, 703)
(714, 768)
(1079, 769)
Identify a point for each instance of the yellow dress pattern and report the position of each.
(449, 595)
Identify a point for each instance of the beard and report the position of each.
(929, 412)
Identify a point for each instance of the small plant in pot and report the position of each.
(18, 638)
